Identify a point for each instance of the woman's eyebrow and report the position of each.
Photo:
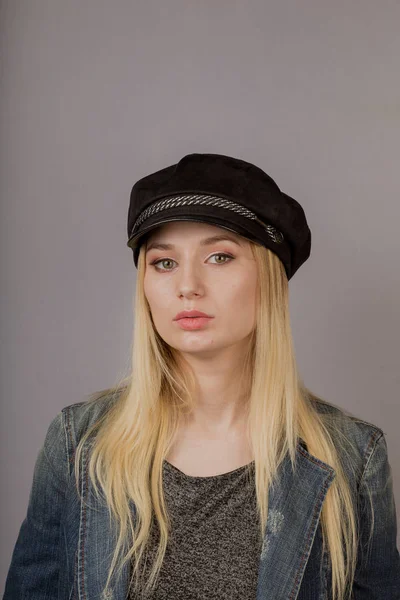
(204, 242)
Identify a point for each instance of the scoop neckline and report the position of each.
(207, 477)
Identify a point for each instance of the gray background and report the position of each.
(96, 94)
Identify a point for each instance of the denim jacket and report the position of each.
(65, 546)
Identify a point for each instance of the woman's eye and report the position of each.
(166, 260)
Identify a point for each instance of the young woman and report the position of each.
(210, 471)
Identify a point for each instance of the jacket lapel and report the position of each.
(295, 505)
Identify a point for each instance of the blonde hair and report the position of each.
(135, 435)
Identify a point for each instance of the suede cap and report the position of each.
(223, 191)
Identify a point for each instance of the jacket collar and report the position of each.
(295, 505)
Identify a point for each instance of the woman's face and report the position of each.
(218, 278)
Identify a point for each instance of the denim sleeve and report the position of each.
(378, 568)
(35, 565)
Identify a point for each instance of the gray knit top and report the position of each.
(213, 551)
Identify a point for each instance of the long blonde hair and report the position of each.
(133, 440)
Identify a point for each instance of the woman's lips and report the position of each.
(192, 323)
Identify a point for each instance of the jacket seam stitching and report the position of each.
(69, 432)
(83, 519)
(375, 437)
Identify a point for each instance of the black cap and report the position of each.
(224, 191)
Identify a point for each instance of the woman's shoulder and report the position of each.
(347, 426)
(343, 415)
(80, 416)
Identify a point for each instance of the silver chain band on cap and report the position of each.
(190, 199)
